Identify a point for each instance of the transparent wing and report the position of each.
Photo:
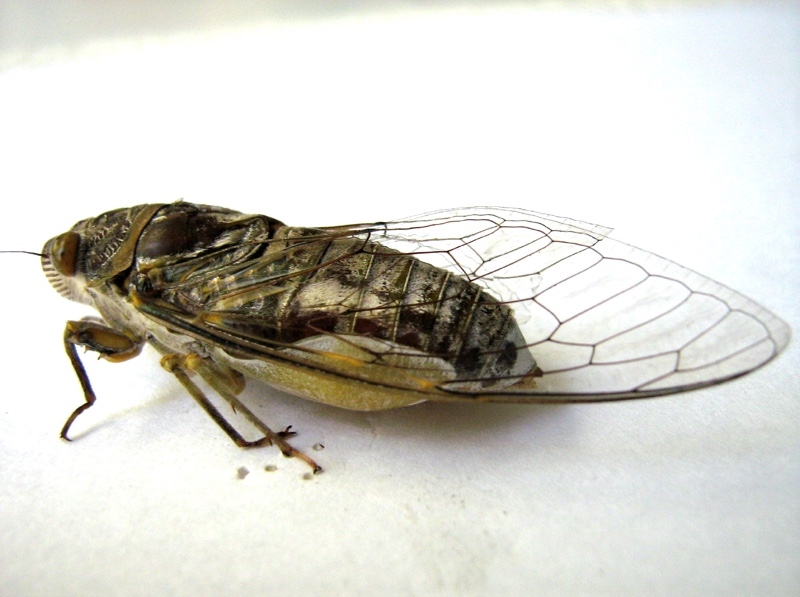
(603, 320)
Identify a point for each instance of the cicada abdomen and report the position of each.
(361, 292)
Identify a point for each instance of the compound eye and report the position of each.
(64, 253)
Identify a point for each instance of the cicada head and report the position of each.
(94, 250)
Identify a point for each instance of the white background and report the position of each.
(676, 123)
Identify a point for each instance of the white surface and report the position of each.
(677, 125)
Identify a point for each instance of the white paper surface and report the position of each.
(676, 124)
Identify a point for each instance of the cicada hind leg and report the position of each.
(228, 383)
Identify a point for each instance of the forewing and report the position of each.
(602, 319)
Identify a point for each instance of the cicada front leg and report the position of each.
(228, 384)
(111, 344)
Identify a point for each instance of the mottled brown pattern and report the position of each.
(288, 284)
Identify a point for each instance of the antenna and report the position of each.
(26, 252)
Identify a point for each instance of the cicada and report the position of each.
(476, 304)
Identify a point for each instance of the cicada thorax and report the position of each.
(300, 287)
